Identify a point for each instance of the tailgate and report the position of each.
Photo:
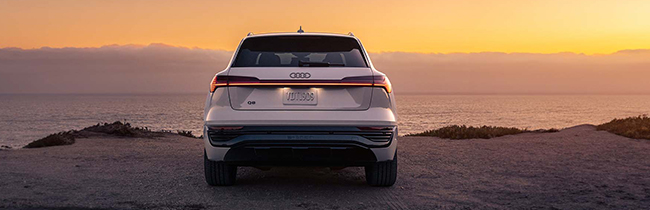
(303, 88)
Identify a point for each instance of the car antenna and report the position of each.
(300, 30)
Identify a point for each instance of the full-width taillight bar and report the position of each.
(369, 81)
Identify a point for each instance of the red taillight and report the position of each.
(225, 80)
(382, 81)
(218, 81)
(377, 81)
(213, 84)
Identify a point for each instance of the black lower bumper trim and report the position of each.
(300, 155)
(291, 134)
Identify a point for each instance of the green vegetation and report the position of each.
(471, 132)
(632, 127)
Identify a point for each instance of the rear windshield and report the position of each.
(303, 50)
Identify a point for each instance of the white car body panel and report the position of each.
(356, 106)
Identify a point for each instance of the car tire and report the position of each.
(219, 173)
(382, 174)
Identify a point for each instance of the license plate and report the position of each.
(300, 97)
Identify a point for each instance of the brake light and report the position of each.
(374, 81)
(218, 81)
(225, 80)
(213, 84)
(382, 81)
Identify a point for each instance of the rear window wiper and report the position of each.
(317, 64)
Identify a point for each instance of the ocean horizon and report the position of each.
(28, 117)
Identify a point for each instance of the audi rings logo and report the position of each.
(300, 75)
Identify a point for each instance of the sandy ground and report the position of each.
(576, 168)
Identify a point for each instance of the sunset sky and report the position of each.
(470, 46)
(551, 26)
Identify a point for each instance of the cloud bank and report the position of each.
(625, 72)
(159, 68)
(155, 68)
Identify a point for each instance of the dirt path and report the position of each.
(573, 169)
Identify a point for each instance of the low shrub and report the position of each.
(57, 139)
(187, 134)
(116, 128)
(632, 127)
(471, 132)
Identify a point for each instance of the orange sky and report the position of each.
(582, 26)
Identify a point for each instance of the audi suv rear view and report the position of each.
(300, 99)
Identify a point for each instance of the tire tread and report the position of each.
(218, 173)
(382, 174)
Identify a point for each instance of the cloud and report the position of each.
(490, 72)
(159, 68)
(155, 68)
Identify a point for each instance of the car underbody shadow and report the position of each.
(349, 176)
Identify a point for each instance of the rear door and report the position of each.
(299, 72)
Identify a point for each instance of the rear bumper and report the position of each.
(301, 145)
(376, 116)
(300, 137)
(219, 112)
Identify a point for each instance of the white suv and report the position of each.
(300, 99)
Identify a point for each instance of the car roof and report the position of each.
(299, 34)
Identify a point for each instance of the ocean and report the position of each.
(25, 118)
